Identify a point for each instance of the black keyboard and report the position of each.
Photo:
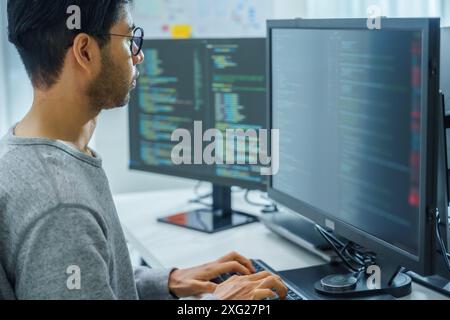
(260, 266)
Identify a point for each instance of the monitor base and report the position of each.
(209, 221)
(219, 217)
(352, 287)
(309, 282)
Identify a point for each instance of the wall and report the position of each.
(20, 91)
(358, 8)
(445, 19)
(207, 18)
(18, 88)
(289, 9)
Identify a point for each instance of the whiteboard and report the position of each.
(208, 18)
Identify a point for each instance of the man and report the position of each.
(60, 236)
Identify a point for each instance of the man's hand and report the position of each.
(197, 281)
(249, 286)
(255, 287)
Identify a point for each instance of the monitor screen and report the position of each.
(220, 83)
(348, 106)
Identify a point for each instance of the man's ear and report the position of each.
(87, 53)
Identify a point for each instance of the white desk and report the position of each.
(164, 245)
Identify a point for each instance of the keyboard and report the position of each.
(260, 266)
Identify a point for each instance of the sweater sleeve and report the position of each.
(64, 257)
(153, 284)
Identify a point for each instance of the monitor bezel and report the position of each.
(178, 172)
(430, 28)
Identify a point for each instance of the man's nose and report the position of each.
(139, 58)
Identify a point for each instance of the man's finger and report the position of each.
(208, 287)
(261, 294)
(274, 283)
(202, 287)
(229, 267)
(259, 276)
(234, 256)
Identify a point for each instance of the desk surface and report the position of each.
(164, 245)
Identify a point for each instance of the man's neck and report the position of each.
(59, 118)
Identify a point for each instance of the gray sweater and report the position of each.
(60, 236)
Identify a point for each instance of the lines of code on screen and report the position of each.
(221, 83)
(348, 105)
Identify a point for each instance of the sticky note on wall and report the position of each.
(181, 31)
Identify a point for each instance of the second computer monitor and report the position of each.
(356, 109)
(220, 83)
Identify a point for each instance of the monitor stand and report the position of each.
(218, 218)
(333, 281)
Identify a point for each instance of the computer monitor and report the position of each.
(197, 85)
(357, 111)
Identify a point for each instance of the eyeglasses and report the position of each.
(137, 40)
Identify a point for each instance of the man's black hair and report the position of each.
(39, 30)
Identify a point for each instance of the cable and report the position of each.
(330, 240)
(250, 202)
(197, 187)
(197, 193)
(353, 256)
(200, 197)
(445, 254)
(348, 253)
(236, 189)
(265, 196)
(199, 201)
(268, 208)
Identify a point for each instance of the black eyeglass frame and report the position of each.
(138, 44)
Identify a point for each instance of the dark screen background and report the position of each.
(348, 105)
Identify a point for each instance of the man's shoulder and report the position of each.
(22, 165)
(37, 163)
(37, 175)
(25, 179)
(36, 179)
(40, 176)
